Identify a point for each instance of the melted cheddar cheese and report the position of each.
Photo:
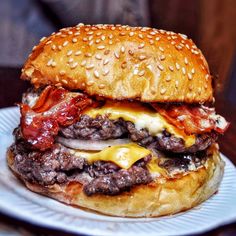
(141, 116)
(123, 156)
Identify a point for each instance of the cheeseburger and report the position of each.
(119, 120)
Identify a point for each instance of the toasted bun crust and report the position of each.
(122, 62)
(162, 197)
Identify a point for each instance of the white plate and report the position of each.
(17, 201)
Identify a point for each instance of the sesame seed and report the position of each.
(83, 63)
(88, 54)
(103, 37)
(193, 70)
(199, 90)
(160, 67)
(190, 87)
(163, 91)
(101, 47)
(194, 51)
(122, 33)
(177, 66)
(106, 61)
(69, 52)
(85, 39)
(178, 47)
(152, 33)
(189, 76)
(183, 70)
(53, 47)
(140, 36)
(49, 63)
(116, 55)
(101, 86)
(142, 57)
(131, 34)
(171, 68)
(74, 65)
(42, 39)
(65, 43)
(70, 32)
(141, 73)
(70, 60)
(96, 74)
(168, 79)
(89, 66)
(77, 53)
(98, 57)
(110, 36)
(106, 52)
(186, 60)
(90, 33)
(48, 42)
(141, 45)
(77, 33)
(122, 49)
(91, 82)
(157, 38)
(205, 86)
(183, 36)
(176, 84)
(74, 40)
(64, 81)
(131, 52)
(105, 72)
(62, 72)
(187, 46)
(110, 42)
(97, 41)
(149, 36)
(207, 77)
(99, 33)
(151, 41)
(162, 57)
(123, 65)
(173, 42)
(161, 49)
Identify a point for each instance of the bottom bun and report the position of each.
(164, 196)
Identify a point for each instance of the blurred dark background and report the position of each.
(210, 23)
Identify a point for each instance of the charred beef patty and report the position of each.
(101, 128)
(57, 165)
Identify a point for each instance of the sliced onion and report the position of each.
(94, 145)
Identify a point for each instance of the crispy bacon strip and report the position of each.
(193, 119)
(55, 107)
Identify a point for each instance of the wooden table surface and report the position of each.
(11, 89)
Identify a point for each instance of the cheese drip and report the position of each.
(123, 156)
(141, 116)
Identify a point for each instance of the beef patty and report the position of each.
(101, 128)
(58, 165)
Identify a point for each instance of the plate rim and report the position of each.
(37, 222)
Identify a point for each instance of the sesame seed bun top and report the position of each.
(122, 62)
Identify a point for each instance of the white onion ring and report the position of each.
(95, 145)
